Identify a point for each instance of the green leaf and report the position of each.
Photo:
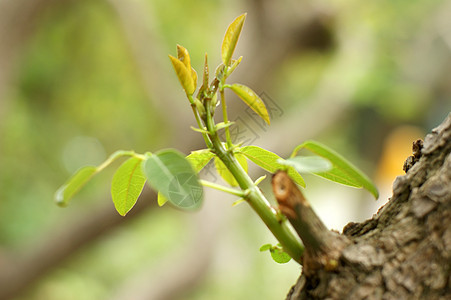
(277, 253)
(225, 173)
(270, 162)
(200, 107)
(74, 184)
(340, 176)
(308, 164)
(184, 75)
(251, 99)
(223, 125)
(265, 247)
(183, 56)
(127, 185)
(220, 71)
(234, 65)
(199, 159)
(279, 256)
(83, 175)
(231, 38)
(161, 199)
(343, 171)
(171, 174)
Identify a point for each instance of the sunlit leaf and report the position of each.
(183, 56)
(223, 125)
(225, 173)
(235, 63)
(127, 185)
(270, 162)
(251, 99)
(171, 174)
(82, 176)
(308, 164)
(184, 75)
(340, 176)
(343, 171)
(74, 184)
(231, 38)
(199, 159)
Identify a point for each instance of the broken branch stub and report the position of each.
(322, 246)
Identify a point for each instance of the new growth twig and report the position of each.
(175, 175)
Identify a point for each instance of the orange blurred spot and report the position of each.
(397, 147)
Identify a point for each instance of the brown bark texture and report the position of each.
(404, 251)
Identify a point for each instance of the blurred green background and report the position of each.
(81, 79)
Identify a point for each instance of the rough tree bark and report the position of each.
(403, 252)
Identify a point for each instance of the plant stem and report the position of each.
(198, 120)
(225, 119)
(222, 188)
(115, 156)
(290, 243)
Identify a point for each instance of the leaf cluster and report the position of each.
(175, 176)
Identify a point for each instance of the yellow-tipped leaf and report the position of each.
(231, 38)
(184, 75)
(183, 56)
